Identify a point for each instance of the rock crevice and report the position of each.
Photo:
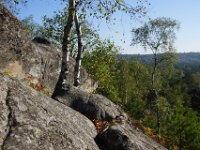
(9, 120)
(35, 121)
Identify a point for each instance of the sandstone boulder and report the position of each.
(30, 120)
(39, 61)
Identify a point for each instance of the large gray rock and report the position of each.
(21, 57)
(30, 120)
(94, 106)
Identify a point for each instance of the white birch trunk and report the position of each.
(80, 52)
(61, 84)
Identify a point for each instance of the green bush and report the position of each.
(135, 108)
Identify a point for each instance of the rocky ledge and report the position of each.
(31, 120)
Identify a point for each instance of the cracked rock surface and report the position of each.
(22, 57)
(30, 120)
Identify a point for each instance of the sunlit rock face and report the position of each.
(31, 120)
(22, 57)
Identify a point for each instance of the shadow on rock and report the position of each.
(93, 106)
(112, 139)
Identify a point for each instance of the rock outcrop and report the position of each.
(31, 120)
(21, 57)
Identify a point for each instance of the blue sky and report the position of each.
(185, 11)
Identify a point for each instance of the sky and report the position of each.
(186, 12)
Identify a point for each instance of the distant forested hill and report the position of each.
(189, 62)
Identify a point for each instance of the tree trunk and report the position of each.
(158, 119)
(62, 81)
(126, 98)
(80, 52)
(153, 72)
(154, 92)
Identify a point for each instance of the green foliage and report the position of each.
(54, 27)
(158, 34)
(135, 108)
(123, 80)
(100, 63)
(193, 84)
(171, 108)
(149, 120)
(140, 78)
(182, 127)
(32, 28)
(54, 30)
(195, 78)
(106, 8)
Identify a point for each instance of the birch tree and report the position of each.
(158, 35)
(62, 81)
(80, 52)
(99, 9)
